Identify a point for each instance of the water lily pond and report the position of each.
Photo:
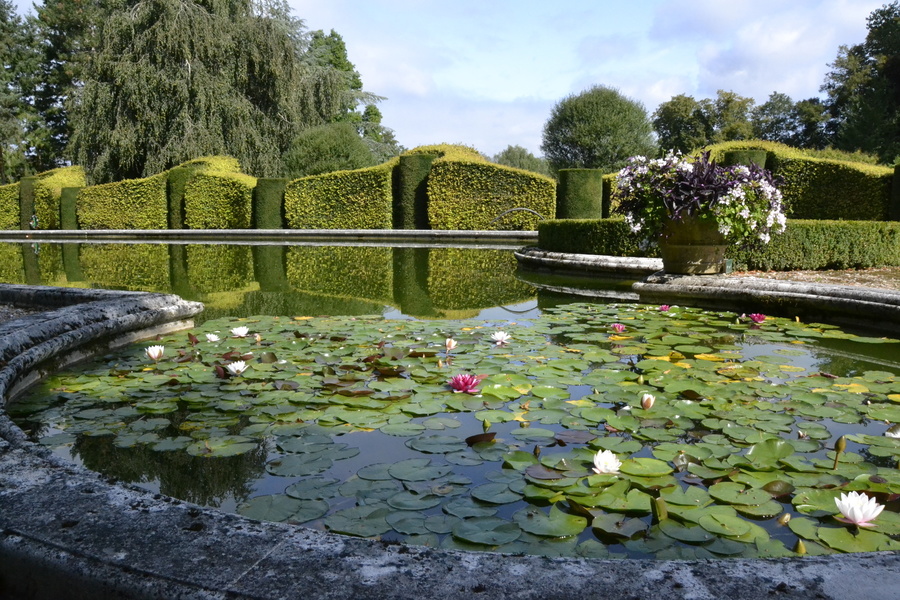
(349, 424)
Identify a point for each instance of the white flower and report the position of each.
(501, 338)
(450, 344)
(858, 509)
(606, 462)
(155, 353)
(893, 431)
(647, 401)
(211, 337)
(237, 367)
(240, 331)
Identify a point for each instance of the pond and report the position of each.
(318, 392)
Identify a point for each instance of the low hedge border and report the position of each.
(805, 244)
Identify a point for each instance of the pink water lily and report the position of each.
(664, 307)
(465, 383)
(617, 327)
(858, 509)
(757, 317)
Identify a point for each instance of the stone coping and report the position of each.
(69, 533)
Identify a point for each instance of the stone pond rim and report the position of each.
(70, 533)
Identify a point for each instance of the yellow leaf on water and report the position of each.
(791, 368)
(581, 402)
(617, 338)
(710, 357)
(894, 397)
(853, 388)
(303, 318)
(573, 350)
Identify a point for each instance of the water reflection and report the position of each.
(243, 280)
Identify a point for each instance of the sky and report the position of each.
(487, 73)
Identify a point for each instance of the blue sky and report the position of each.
(487, 73)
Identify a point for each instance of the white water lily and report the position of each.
(501, 338)
(858, 509)
(606, 462)
(155, 353)
(237, 367)
(211, 337)
(450, 344)
(647, 401)
(240, 331)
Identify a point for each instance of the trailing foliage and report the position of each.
(354, 272)
(47, 190)
(173, 79)
(9, 206)
(816, 188)
(805, 244)
(360, 199)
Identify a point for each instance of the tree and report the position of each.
(14, 112)
(729, 114)
(863, 89)
(773, 120)
(326, 148)
(682, 124)
(520, 158)
(172, 80)
(596, 129)
(380, 139)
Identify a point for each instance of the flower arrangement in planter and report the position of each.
(693, 202)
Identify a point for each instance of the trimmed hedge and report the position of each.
(411, 191)
(348, 271)
(47, 190)
(142, 267)
(805, 245)
(218, 200)
(817, 188)
(128, 204)
(472, 195)
(360, 199)
(218, 267)
(579, 194)
(452, 271)
(9, 206)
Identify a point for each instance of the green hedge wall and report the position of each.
(347, 271)
(218, 200)
(471, 195)
(452, 271)
(579, 194)
(47, 189)
(12, 265)
(805, 245)
(359, 199)
(127, 266)
(218, 267)
(411, 192)
(128, 204)
(816, 188)
(9, 206)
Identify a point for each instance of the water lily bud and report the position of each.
(841, 444)
(485, 425)
(640, 380)
(647, 401)
(660, 509)
(536, 451)
(784, 519)
(800, 547)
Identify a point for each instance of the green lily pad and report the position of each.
(487, 531)
(363, 521)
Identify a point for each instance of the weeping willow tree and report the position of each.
(176, 79)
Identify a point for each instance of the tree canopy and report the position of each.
(520, 158)
(596, 129)
(326, 148)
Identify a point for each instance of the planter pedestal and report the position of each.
(693, 246)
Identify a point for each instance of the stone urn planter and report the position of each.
(692, 246)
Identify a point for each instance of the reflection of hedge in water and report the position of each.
(219, 268)
(355, 272)
(180, 475)
(127, 266)
(12, 267)
(9, 206)
(461, 278)
(50, 264)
